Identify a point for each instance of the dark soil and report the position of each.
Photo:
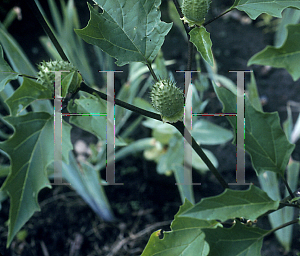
(147, 201)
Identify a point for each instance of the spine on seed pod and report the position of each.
(194, 11)
(168, 100)
(46, 76)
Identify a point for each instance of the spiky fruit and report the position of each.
(194, 11)
(47, 78)
(168, 100)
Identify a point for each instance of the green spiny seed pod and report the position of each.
(194, 11)
(47, 78)
(168, 100)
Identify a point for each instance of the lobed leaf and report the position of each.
(130, 31)
(265, 140)
(185, 239)
(238, 240)
(231, 204)
(6, 73)
(254, 8)
(31, 150)
(27, 93)
(286, 56)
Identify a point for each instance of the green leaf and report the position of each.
(173, 157)
(265, 140)
(31, 150)
(201, 39)
(198, 163)
(85, 180)
(27, 93)
(253, 93)
(185, 239)
(70, 83)
(4, 170)
(231, 204)
(270, 183)
(20, 63)
(6, 73)
(185, 191)
(207, 133)
(130, 31)
(286, 56)
(175, 17)
(15, 55)
(93, 118)
(272, 7)
(289, 16)
(238, 240)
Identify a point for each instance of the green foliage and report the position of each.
(272, 7)
(185, 237)
(27, 93)
(137, 36)
(31, 151)
(195, 231)
(7, 73)
(131, 31)
(265, 141)
(286, 56)
(231, 204)
(237, 240)
(201, 39)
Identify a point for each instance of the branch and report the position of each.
(84, 87)
(288, 187)
(284, 203)
(282, 226)
(179, 126)
(215, 18)
(47, 29)
(186, 27)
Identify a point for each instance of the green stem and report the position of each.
(85, 88)
(283, 203)
(187, 30)
(47, 29)
(288, 187)
(215, 18)
(152, 72)
(186, 27)
(190, 56)
(282, 226)
(180, 127)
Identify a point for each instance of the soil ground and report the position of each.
(66, 226)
